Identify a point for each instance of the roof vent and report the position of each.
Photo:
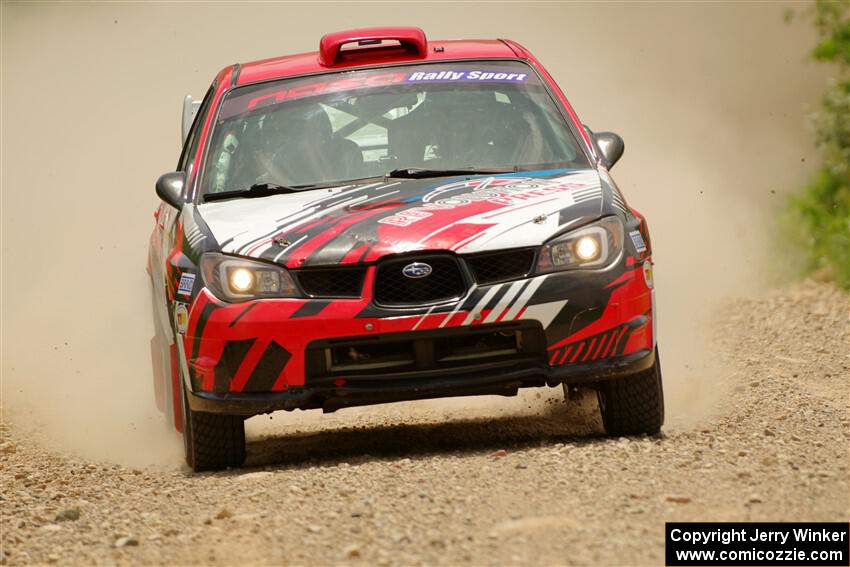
(371, 43)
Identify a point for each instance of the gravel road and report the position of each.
(390, 486)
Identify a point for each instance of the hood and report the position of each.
(362, 223)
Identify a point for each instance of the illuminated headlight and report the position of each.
(593, 246)
(238, 279)
(241, 280)
(588, 247)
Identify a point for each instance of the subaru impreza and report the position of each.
(394, 218)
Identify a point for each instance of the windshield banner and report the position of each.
(246, 99)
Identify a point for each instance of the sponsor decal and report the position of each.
(300, 89)
(268, 95)
(442, 76)
(181, 317)
(405, 218)
(187, 282)
(504, 191)
(637, 239)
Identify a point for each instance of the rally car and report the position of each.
(392, 218)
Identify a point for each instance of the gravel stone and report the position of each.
(351, 551)
(71, 514)
(126, 541)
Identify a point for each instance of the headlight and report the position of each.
(238, 279)
(592, 246)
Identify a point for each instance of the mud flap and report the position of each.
(176, 401)
(158, 379)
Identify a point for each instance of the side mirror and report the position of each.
(169, 187)
(611, 146)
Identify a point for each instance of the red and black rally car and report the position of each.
(392, 218)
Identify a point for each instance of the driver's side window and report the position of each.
(190, 148)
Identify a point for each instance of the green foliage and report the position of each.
(831, 20)
(819, 217)
(820, 214)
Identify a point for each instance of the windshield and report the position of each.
(360, 124)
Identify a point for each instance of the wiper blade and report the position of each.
(266, 189)
(258, 190)
(421, 173)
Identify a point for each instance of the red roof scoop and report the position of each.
(377, 43)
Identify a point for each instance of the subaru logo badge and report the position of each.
(416, 270)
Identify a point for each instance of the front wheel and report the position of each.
(212, 441)
(635, 404)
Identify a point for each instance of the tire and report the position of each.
(212, 441)
(635, 404)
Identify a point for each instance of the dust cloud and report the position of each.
(709, 98)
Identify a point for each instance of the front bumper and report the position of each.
(271, 354)
(499, 378)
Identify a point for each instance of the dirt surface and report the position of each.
(535, 485)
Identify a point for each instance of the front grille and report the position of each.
(393, 288)
(332, 282)
(501, 266)
(426, 355)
